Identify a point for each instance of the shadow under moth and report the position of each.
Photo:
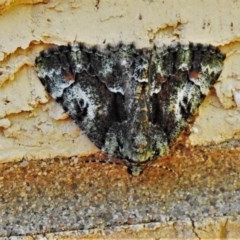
(132, 103)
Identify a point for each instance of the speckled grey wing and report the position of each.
(184, 74)
(88, 83)
(132, 103)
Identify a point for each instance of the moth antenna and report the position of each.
(165, 168)
(106, 160)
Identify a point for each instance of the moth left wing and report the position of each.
(67, 72)
(94, 86)
(182, 76)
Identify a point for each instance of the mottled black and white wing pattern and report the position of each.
(132, 103)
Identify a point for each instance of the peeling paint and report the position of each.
(5, 5)
(5, 123)
(170, 30)
(102, 22)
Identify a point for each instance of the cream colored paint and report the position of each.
(34, 126)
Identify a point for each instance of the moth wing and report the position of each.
(181, 77)
(69, 76)
(90, 85)
(96, 87)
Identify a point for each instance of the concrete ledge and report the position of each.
(69, 198)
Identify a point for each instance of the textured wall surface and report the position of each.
(34, 127)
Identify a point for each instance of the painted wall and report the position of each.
(33, 126)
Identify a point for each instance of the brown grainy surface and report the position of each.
(66, 198)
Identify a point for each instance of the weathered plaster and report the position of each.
(26, 27)
(7, 4)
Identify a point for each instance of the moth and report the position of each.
(132, 103)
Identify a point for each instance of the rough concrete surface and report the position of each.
(33, 126)
(191, 193)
